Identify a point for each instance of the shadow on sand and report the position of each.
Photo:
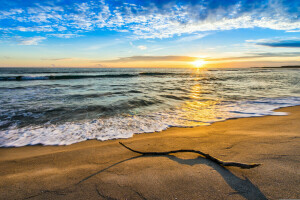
(243, 187)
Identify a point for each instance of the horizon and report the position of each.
(192, 67)
(152, 34)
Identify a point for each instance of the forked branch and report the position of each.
(207, 156)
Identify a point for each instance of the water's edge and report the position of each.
(276, 112)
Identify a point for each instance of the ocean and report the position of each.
(62, 106)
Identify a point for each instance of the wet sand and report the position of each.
(106, 170)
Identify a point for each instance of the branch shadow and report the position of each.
(102, 170)
(243, 187)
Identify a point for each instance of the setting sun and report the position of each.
(199, 63)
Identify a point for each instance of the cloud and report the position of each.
(192, 37)
(31, 29)
(32, 40)
(141, 47)
(191, 58)
(6, 14)
(293, 31)
(151, 58)
(257, 55)
(57, 59)
(281, 43)
(150, 19)
(66, 35)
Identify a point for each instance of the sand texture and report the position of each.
(106, 170)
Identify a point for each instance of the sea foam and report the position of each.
(125, 126)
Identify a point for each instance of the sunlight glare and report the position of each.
(199, 63)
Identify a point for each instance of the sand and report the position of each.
(106, 170)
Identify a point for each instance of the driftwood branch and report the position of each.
(207, 156)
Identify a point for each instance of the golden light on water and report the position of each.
(199, 63)
(199, 110)
(196, 91)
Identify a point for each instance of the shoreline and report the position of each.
(41, 172)
(156, 132)
(208, 124)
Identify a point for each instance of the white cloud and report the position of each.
(141, 47)
(12, 12)
(192, 37)
(33, 29)
(66, 35)
(151, 21)
(32, 40)
(293, 31)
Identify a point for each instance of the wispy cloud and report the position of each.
(142, 47)
(66, 35)
(150, 58)
(281, 43)
(192, 37)
(293, 31)
(257, 55)
(38, 29)
(191, 59)
(153, 19)
(58, 59)
(32, 40)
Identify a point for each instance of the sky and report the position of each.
(150, 33)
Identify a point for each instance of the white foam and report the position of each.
(125, 126)
(69, 133)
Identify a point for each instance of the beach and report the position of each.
(106, 170)
(150, 100)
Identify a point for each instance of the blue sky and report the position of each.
(65, 33)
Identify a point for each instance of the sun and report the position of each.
(198, 63)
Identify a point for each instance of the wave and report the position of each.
(73, 112)
(63, 77)
(120, 126)
(175, 97)
(66, 77)
(155, 73)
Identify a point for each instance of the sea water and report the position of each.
(61, 106)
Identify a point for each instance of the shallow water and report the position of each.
(65, 106)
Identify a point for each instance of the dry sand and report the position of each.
(106, 170)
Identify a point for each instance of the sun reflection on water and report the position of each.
(196, 91)
(199, 109)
